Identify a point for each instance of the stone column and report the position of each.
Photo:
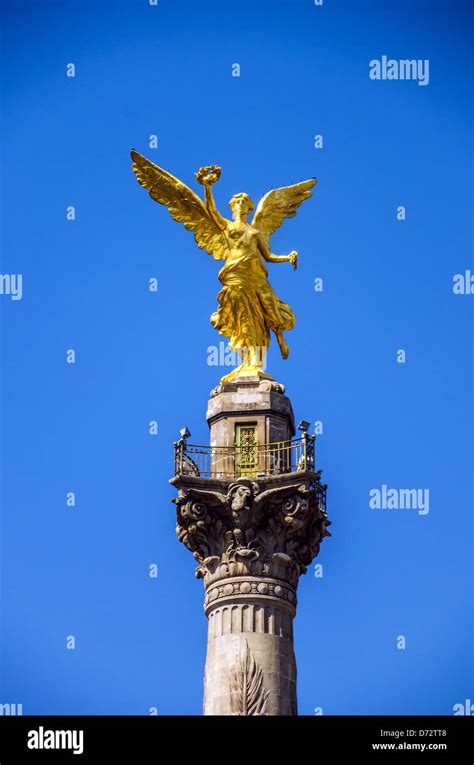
(252, 536)
(250, 665)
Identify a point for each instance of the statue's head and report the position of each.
(241, 203)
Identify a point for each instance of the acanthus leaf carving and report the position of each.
(244, 530)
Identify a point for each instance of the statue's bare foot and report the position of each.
(285, 351)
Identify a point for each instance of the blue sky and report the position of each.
(141, 356)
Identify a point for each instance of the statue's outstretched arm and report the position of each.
(218, 219)
(272, 210)
(272, 258)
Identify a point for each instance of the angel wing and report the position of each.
(279, 204)
(183, 204)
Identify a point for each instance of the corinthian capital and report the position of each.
(270, 528)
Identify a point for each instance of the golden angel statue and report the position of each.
(248, 306)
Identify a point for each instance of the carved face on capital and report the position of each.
(239, 497)
(241, 205)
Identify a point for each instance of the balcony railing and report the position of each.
(236, 461)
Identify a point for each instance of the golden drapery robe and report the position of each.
(248, 306)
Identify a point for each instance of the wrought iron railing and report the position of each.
(235, 461)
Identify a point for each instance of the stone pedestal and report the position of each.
(249, 399)
(253, 535)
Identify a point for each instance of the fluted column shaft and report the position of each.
(250, 664)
